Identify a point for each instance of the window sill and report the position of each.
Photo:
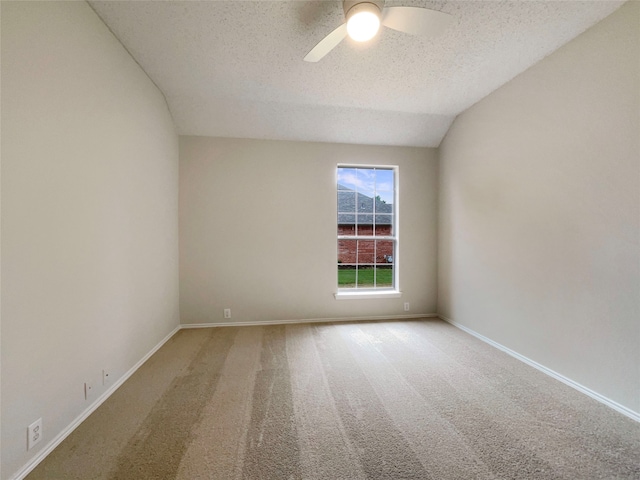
(361, 295)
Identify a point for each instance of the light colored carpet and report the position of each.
(378, 400)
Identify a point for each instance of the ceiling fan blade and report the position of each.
(416, 20)
(327, 44)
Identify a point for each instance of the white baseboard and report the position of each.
(307, 320)
(581, 388)
(33, 463)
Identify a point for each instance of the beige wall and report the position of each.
(258, 232)
(539, 238)
(89, 213)
(539, 218)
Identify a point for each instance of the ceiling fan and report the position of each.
(363, 19)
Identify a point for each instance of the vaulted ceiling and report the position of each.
(235, 68)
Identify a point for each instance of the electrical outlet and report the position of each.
(88, 387)
(34, 433)
(106, 377)
(406, 306)
(227, 313)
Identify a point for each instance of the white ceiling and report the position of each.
(235, 68)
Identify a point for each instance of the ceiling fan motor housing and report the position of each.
(352, 7)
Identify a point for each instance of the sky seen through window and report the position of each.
(369, 182)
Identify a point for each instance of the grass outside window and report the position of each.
(383, 277)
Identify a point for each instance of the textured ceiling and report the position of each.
(235, 69)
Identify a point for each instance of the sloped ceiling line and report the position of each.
(235, 69)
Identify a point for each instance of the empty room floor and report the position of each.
(394, 400)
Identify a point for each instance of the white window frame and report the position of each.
(375, 292)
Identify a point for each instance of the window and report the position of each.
(367, 229)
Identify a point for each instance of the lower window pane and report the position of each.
(384, 252)
(365, 276)
(366, 251)
(384, 276)
(347, 251)
(346, 276)
(365, 263)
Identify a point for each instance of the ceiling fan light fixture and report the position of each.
(364, 18)
(363, 21)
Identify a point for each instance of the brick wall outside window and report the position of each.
(365, 251)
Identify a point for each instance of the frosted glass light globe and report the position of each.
(363, 22)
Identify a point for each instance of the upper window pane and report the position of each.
(384, 184)
(365, 203)
(366, 182)
(346, 201)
